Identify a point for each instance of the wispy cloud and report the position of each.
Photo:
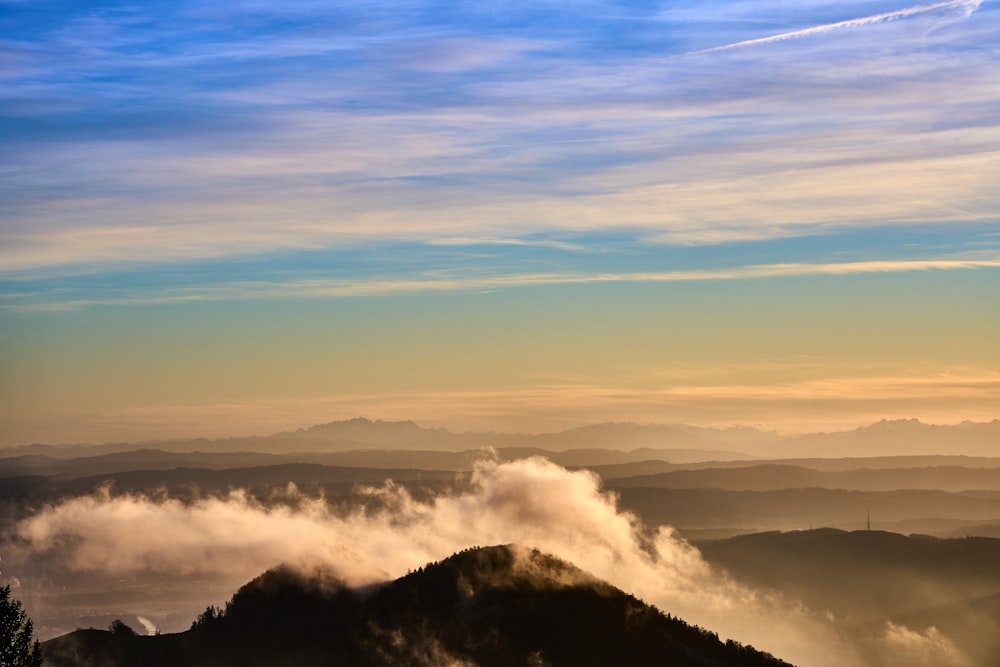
(459, 241)
(371, 121)
(205, 152)
(966, 6)
(347, 288)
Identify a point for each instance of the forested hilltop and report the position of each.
(499, 606)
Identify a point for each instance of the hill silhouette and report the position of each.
(501, 605)
(864, 577)
(684, 443)
(880, 569)
(775, 476)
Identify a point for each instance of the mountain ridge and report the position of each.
(880, 438)
(487, 606)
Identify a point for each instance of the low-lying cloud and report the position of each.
(923, 649)
(532, 502)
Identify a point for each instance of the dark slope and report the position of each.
(178, 481)
(865, 577)
(150, 459)
(773, 476)
(880, 566)
(801, 508)
(492, 606)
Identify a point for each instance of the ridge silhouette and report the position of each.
(492, 606)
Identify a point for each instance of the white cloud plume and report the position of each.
(531, 502)
(148, 625)
(930, 648)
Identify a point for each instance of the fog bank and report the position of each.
(531, 502)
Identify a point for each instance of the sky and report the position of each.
(238, 218)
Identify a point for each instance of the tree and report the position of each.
(17, 648)
(120, 629)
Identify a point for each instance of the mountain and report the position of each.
(152, 459)
(866, 577)
(504, 605)
(917, 510)
(901, 436)
(652, 437)
(676, 443)
(381, 434)
(878, 568)
(773, 476)
(680, 443)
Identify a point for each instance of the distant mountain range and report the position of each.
(495, 606)
(677, 443)
(702, 492)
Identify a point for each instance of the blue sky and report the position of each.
(171, 162)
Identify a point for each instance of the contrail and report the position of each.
(969, 5)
